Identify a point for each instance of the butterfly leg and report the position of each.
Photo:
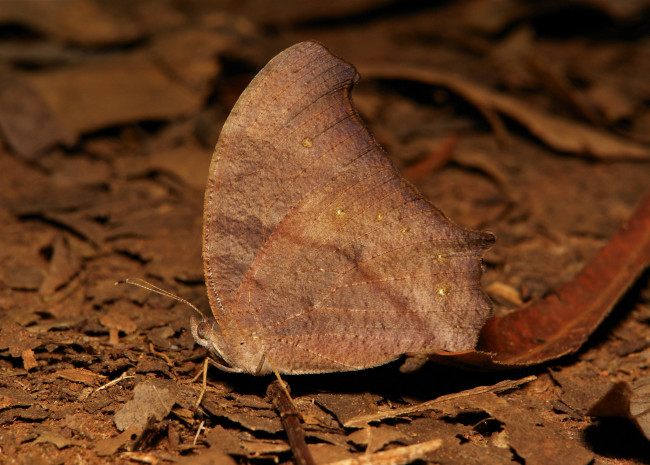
(203, 372)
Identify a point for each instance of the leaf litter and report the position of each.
(87, 201)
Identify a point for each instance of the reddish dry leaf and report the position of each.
(538, 441)
(32, 414)
(561, 322)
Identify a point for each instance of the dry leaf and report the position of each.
(151, 399)
(558, 132)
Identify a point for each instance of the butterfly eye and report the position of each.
(202, 330)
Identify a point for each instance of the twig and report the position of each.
(291, 421)
(123, 376)
(162, 355)
(142, 457)
(399, 456)
(203, 372)
(198, 432)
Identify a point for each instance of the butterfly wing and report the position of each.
(261, 151)
(320, 251)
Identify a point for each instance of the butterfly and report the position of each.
(318, 257)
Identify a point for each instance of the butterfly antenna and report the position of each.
(150, 287)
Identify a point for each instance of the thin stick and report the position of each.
(284, 386)
(198, 432)
(204, 385)
(115, 381)
(160, 399)
(291, 421)
(161, 355)
(399, 456)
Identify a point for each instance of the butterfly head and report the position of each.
(234, 352)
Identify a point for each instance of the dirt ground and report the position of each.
(529, 119)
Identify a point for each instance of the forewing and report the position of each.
(270, 154)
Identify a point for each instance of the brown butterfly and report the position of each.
(318, 256)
